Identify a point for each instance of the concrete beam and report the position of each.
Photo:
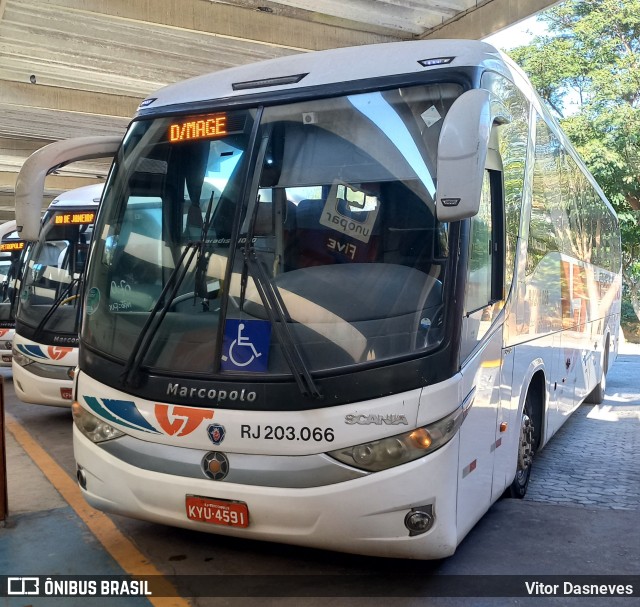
(65, 99)
(53, 183)
(488, 17)
(54, 186)
(235, 22)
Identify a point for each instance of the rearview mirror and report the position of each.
(30, 182)
(462, 153)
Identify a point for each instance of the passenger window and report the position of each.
(479, 270)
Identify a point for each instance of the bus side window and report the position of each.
(478, 289)
(485, 269)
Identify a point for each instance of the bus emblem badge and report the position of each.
(215, 465)
(216, 433)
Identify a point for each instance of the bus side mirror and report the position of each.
(462, 153)
(30, 182)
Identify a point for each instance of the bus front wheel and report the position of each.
(518, 487)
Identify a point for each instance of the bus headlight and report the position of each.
(402, 448)
(21, 359)
(93, 427)
(42, 369)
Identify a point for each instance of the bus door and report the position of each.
(506, 425)
(481, 354)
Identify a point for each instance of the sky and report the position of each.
(517, 35)
(520, 34)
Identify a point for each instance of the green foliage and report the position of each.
(628, 314)
(587, 69)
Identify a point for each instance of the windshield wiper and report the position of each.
(280, 319)
(64, 295)
(164, 301)
(276, 311)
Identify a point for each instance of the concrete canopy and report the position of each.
(80, 67)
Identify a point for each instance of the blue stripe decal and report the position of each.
(127, 410)
(32, 350)
(97, 407)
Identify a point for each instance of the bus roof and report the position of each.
(86, 196)
(325, 68)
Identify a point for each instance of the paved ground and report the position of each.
(592, 459)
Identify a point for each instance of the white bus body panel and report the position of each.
(32, 388)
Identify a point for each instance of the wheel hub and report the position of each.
(525, 449)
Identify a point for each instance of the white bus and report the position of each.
(11, 255)
(340, 299)
(45, 346)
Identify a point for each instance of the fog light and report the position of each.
(82, 478)
(419, 520)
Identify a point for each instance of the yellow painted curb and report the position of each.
(125, 553)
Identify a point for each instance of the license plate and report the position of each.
(217, 512)
(6, 358)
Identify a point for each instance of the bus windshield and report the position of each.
(11, 255)
(233, 242)
(49, 297)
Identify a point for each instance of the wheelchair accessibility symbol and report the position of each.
(245, 345)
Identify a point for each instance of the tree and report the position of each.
(587, 69)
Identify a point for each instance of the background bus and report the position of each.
(11, 255)
(45, 347)
(377, 281)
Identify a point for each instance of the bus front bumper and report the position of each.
(362, 516)
(31, 388)
(6, 344)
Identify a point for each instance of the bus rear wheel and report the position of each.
(518, 487)
(596, 397)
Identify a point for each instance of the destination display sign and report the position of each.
(205, 127)
(16, 245)
(74, 218)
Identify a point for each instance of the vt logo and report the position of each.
(58, 352)
(182, 420)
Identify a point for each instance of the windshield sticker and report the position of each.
(93, 301)
(345, 212)
(245, 346)
(344, 248)
(180, 421)
(430, 116)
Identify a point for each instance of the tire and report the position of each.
(518, 487)
(596, 396)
